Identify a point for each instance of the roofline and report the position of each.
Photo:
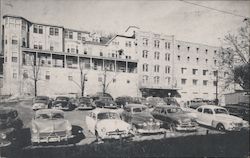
(197, 43)
(131, 37)
(131, 27)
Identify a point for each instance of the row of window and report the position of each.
(156, 68)
(156, 79)
(195, 82)
(156, 55)
(197, 60)
(195, 71)
(197, 49)
(145, 42)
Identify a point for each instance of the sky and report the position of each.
(185, 21)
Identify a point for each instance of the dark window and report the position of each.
(14, 42)
(14, 59)
(207, 111)
(41, 29)
(199, 110)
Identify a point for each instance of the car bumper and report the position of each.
(50, 139)
(4, 143)
(118, 136)
(85, 108)
(151, 131)
(179, 128)
(110, 107)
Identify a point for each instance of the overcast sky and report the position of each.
(187, 22)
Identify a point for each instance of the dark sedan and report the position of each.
(141, 119)
(175, 118)
(85, 103)
(63, 103)
(105, 102)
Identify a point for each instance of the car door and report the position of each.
(208, 116)
(91, 120)
(199, 113)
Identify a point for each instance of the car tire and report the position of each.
(98, 138)
(220, 127)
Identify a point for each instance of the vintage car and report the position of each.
(105, 102)
(123, 100)
(141, 120)
(219, 118)
(63, 103)
(85, 103)
(10, 125)
(107, 124)
(41, 102)
(49, 125)
(175, 118)
(238, 110)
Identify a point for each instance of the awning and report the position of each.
(162, 93)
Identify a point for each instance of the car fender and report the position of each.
(215, 123)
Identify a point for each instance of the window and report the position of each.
(51, 48)
(25, 74)
(205, 82)
(79, 36)
(167, 57)
(128, 44)
(53, 31)
(188, 58)
(47, 76)
(195, 82)
(156, 44)
(199, 109)
(215, 62)
(167, 69)
(128, 81)
(35, 46)
(145, 54)
(178, 46)
(145, 67)
(195, 71)
(179, 57)
(156, 79)
(68, 34)
(99, 79)
(183, 81)
(215, 52)
(197, 60)
(197, 50)
(207, 111)
(70, 78)
(206, 60)
(188, 49)
(215, 83)
(14, 41)
(183, 70)
(205, 72)
(215, 73)
(206, 51)
(40, 47)
(40, 29)
(14, 59)
(14, 75)
(157, 55)
(145, 79)
(101, 54)
(156, 68)
(145, 42)
(35, 28)
(167, 45)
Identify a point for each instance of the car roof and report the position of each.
(44, 111)
(135, 105)
(38, 97)
(101, 110)
(167, 106)
(211, 106)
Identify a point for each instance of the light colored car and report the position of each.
(41, 102)
(107, 124)
(219, 118)
(49, 125)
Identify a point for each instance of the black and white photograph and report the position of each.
(124, 78)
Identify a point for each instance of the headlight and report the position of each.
(144, 124)
(3, 136)
(179, 121)
(232, 124)
(103, 129)
(245, 124)
(158, 123)
(151, 119)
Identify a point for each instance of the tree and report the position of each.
(235, 57)
(106, 84)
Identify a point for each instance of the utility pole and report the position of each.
(216, 90)
(104, 82)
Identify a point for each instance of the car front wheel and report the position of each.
(172, 127)
(220, 127)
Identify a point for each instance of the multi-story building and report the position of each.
(137, 63)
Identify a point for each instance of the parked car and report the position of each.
(239, 110)
(141, 120)
(107, 124)
(49, 125)
(219, 118)
(63, 103)
(175, 118)
(85, 103)
(99, 95)
(152, 102)
(123, 100)
(41, 102)
(171, 101)
(105, 102)
(10, 126)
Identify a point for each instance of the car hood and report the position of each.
(184, 117)
(227, 117)
(112, 125)
(142, 117)
(46, 126)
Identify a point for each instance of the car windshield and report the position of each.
(40, 100)
(62, 99)
(141, 109)
(108, 115)
(220, 111)
(174, 110)
(57, 116)
(43, 116)
(85, 100)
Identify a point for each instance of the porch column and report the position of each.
(126, 66)
(65, 63)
